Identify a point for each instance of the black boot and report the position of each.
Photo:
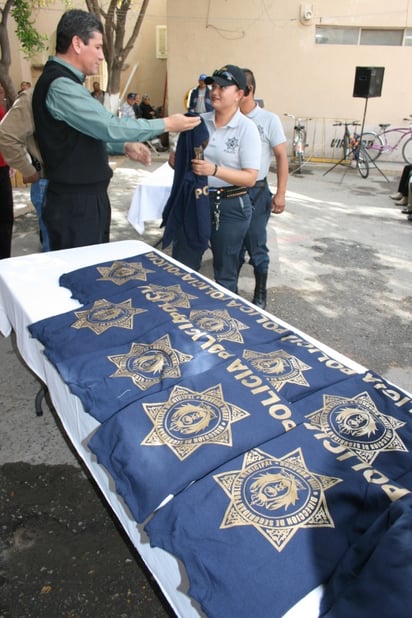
(259, 297)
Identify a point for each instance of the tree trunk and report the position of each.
(5, 62)
(116, 51)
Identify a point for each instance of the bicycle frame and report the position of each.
(299, 141)
(387, 147)
(380, 142)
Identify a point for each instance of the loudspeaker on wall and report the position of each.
(368, 82)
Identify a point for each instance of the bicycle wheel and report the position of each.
(407, 151)
(362, 164)
(373, 143)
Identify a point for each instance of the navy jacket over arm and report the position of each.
(188, 203)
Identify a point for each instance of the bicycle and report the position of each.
(353, 149)
(377, 143)
(299, 142)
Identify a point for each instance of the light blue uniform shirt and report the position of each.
(236, 145)
(71, 102)
(271, 134)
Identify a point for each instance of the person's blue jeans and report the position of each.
(37, 194)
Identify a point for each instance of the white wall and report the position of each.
(293, 73)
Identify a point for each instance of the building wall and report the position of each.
(293, 74)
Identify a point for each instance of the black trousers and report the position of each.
(404, 181)
(76, 216)
(6, 212)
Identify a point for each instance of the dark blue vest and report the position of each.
(70, 157)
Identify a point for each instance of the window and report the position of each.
(333, 35)
(381, 37)
(408, 37)
(336, 36)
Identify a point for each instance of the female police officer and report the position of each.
(231, 162)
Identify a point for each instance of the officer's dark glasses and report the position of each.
(226, 75)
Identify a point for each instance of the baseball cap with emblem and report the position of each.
(228, 75)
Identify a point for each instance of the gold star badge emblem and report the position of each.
(357, 424)
(104, 315)
(277, 496)
(120, 272)
(218, 323)
(147, 364)
(190, 419)
(279, 367)
(171, 295)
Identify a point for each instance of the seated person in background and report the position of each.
(146, 108)
(97, 93)
(401, 196)
(127, 109)
(136, 107)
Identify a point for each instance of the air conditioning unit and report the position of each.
(161, 42)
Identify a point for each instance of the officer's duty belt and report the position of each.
(225, 193)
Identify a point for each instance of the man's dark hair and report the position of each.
(76, 23)
(250, 79)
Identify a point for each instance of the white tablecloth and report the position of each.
(150, 197)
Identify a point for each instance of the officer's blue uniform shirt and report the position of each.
(109, 278)
(365, 420)
(267, 527)
(159, 446)
(99, 325)
(110, 379)
(374, 576)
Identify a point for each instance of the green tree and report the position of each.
(31, 41)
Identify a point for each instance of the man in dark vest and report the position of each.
(73, 131)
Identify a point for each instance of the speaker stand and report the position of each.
(338, 163)
(347, 156)
(365, 151)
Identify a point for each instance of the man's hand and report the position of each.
(33, 178)
(278, 204)
(138, 152)
(172, 159)
(179, 122)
